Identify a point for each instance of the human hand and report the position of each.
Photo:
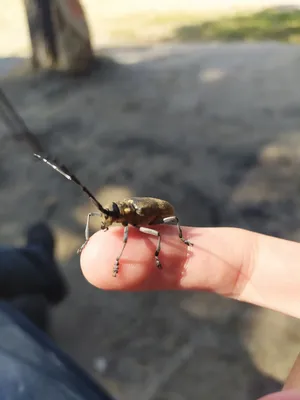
(235, 263)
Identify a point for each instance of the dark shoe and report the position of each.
(40, 235)
(41, 239)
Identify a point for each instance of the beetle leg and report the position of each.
(87, 230)
(157, 251)
(170, 220)
(125, 239)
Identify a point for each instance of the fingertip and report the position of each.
(138, 270)
(98, 258)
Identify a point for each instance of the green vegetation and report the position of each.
(270, 24)
(264, 25)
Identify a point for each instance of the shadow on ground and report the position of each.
(214, 129)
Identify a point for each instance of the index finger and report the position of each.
(232, 262)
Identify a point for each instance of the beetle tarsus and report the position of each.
(116, 269)
(82, 247)
(187, 242)
(125, 239)
(158, 264)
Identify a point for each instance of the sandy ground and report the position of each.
(200, 125)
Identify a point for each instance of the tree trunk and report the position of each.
(59, 35)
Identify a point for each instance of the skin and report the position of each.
(235, 263)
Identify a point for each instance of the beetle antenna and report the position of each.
(17, 125)
(63, 170)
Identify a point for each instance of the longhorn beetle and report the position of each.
(135, 211)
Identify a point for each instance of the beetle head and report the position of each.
(106, 221)
(112, 214)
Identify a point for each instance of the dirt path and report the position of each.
(210, 125)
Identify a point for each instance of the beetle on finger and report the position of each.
(139, 212)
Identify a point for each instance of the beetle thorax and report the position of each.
(127, 213)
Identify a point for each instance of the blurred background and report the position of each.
(193, 103)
